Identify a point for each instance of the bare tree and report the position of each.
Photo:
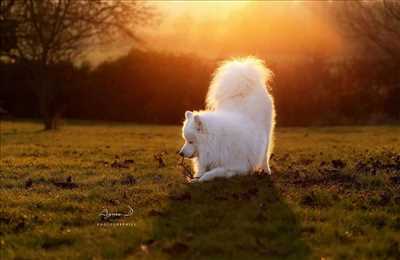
(5, 7)
(7, 28)
(55, 31)
(376, 26)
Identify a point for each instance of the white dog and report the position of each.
(234, 135)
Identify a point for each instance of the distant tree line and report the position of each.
(155, 87)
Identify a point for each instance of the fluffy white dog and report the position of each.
(234, 135)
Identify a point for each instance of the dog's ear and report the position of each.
(188, 114)
(198, 123)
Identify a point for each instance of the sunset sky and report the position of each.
(219, 29)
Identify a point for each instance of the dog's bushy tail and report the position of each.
(235, 81)
(240, 85)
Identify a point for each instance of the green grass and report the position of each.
(333, 194)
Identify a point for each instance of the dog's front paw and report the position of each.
(204, 178)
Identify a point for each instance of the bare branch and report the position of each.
(52, 30)
(376, 24)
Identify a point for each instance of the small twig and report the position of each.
(159, 158)
(186, 170)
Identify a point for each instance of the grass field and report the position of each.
(334, 194)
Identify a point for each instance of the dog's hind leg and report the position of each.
(266, 154)
(266, 166)
(263, 153)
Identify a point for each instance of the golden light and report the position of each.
(225, 28)
(216, 29)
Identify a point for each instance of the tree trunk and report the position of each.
(48, 108)
(50, 122)
(50, 111)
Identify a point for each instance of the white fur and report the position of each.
(235, 134)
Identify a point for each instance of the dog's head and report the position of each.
(192, 127)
